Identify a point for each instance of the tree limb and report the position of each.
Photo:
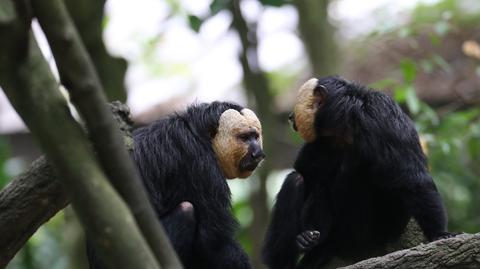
(78, 75)
(26, 203)
(35, 196)
(462, 251)
(28, 83)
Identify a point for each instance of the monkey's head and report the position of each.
(237, 142)
(328, 107)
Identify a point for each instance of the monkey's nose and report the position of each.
(258, 155)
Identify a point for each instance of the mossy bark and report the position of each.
(28, 83)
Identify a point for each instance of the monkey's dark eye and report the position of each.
(248, 135)
(244, 137)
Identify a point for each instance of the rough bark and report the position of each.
(30, 86)
(26, 203)
(462, 251)
(78, 75)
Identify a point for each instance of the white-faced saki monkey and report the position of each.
(184, 160)
(360, 176)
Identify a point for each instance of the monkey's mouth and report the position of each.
(249, 166)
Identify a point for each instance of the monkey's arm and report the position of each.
(280, 248)
(180, 226)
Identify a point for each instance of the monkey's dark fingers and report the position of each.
(302, 244)
(311, 236)
(308, 240)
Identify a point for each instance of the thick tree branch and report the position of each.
(78, 75)
(35, 196)
(26, 203)
(462, 251)
(28, 83)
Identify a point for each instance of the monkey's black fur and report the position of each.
(359, 194)
(177, 163)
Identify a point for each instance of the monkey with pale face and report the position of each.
(360, 176)
(184, 160)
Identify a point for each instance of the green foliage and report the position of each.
(464, 12)
(4, 153)
(45, 250)
(194, 22)
(217, 6)
(274, 3)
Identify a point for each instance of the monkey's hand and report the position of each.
(444, 235)
(307, 240)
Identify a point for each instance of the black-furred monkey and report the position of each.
(184, 160)
(360, 176)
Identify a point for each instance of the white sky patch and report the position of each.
(130, 23)
(251, 10)
(215, 27)
(199, 8)
(10, 121)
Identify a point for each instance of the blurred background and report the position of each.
(161, 55)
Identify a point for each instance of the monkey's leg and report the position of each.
(180, 226)
(426, 206)
(280, 249)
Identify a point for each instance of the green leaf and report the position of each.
(275, 3)
(195, 22)
(217, 6)
(412, 101)
(409, 70)
(400, 94)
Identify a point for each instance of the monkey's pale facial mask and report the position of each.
(303, 116)
(238, 143)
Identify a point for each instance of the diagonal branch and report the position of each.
(78, 75)
(28, 83)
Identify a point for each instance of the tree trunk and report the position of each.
(318, 35)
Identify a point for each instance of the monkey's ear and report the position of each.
(319, 95)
